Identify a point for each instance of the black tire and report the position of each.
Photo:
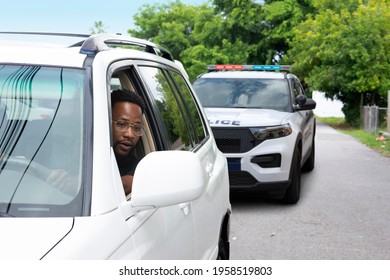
(293, 191)
(309, 164)
(223, 250)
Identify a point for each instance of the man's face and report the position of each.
(125, 141)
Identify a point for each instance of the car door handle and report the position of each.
(209, 168)
(184, 207)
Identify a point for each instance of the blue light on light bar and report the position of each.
(267, 67)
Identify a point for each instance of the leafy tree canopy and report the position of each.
(179, 28)
(344, 52)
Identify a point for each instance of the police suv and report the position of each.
(55, 114)
(263, 122)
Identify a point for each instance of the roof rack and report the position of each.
(100, 42)
(235, 67)
(92, 44)
(52, 34)
(45, 33)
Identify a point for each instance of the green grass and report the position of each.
(374, 141)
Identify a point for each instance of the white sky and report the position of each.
(72, 16)
(326, 107)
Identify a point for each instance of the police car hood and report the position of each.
(31, 238)
(244, 117)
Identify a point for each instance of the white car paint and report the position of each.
(179, 208)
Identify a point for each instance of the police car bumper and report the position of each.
(265, 167)
(244, 181)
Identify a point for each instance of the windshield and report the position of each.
(41, 130)
(243, 93)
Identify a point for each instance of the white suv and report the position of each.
(179, 207)
(263, 122)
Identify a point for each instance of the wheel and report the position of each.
(293, 191)
(21, 164)
(58, 178)
(223, 249)
(309, 164)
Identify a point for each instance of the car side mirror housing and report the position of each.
(300, 100)
(302, 103)
(166, 178)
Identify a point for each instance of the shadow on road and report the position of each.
(252, 197)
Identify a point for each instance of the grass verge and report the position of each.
(377, 142)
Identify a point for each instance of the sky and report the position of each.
(73, 16)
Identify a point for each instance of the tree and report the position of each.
(344, 52)
(241, 23)
(194, 34)
(280, 18)
(98, 27)
(265, 25)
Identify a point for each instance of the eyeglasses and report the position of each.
(122, 126)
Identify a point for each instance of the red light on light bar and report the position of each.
(228, 67)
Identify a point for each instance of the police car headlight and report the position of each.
(271, 132)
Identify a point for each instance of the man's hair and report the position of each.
(124, 95)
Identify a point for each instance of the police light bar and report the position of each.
(232, 67)
(224, 67)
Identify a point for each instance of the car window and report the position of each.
(41, 133)
(166, 102)
(297, 89)
(124, 79)
(243, 93)
(197, 128)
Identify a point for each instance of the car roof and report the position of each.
(41, 55)
(23, 50)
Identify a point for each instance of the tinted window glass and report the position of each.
(297, 88)
(41, 130)
(198, 130)
(243, 93)
(167, 104)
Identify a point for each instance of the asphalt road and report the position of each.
(343, 213)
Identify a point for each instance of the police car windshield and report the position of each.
(41, 130)
(243, 93)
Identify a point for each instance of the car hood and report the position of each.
(229, 117)
(31, 238)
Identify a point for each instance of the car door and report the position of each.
(167, 232)
(209, 208)
(306, 120)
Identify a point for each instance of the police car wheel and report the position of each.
(293, 191)
(309, 164)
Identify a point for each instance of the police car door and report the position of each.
(306, 120)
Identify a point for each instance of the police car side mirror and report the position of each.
(300, 100)
(309, 104)
(167, 178)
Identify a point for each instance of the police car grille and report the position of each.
(241, 178)
(234, 140)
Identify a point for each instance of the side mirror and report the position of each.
(303, 104)
(167, 178)
(300, 99)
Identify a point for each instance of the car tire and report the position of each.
(223, 249)
(309, 164)
(293, 191)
